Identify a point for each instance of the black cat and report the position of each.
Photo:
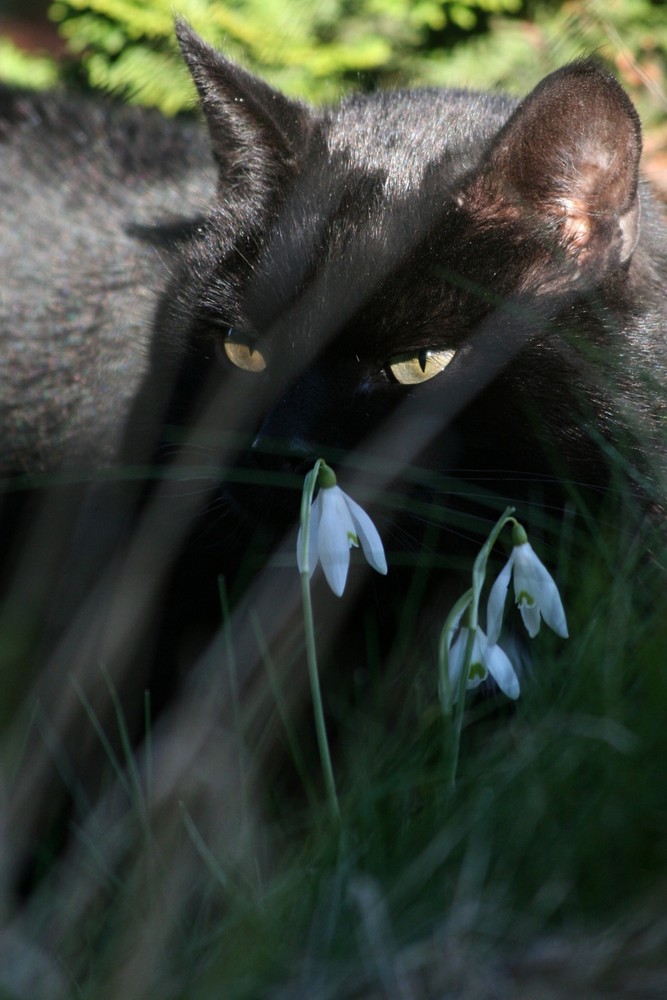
(456, 298)
(348, 253)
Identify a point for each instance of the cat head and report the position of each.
(412, 278)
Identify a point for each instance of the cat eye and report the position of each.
(243, 354)
(419, 366)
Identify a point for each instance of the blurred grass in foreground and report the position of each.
(548, 860)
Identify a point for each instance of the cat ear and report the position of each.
(256, 132)
(567, 161)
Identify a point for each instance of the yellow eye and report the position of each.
(419, 366)
(244, 356)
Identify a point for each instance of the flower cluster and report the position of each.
(332, 523)
(536, 597)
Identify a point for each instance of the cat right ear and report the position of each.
(565, 167)
(256, 132)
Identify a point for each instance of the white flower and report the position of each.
(336, 524)
(535, 592)
(487, 658)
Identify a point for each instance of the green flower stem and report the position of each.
(451, 624)
(311, 650)
(316, 695)
(479, 568)
(467, 605)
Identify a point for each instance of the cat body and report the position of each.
(458, 299)
(80, 282)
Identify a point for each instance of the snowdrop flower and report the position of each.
(487, 658)
(534, 589)
(336, 524)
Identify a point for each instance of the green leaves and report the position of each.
(26, 71)
(320, 51)
(315, 51)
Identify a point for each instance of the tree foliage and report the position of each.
(323, 49)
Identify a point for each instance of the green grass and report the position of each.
(210, 884)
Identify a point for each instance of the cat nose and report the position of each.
(293, 455)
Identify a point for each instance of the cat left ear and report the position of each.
(567, 161)
(256, 132)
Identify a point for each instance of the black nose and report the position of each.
(293, 454)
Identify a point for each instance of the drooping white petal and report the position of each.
(302, 563)
(549, 600)
(334, 537)
(311, 555)
(369, 537)
(500, 667)
(554, 613)
(495, 607)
